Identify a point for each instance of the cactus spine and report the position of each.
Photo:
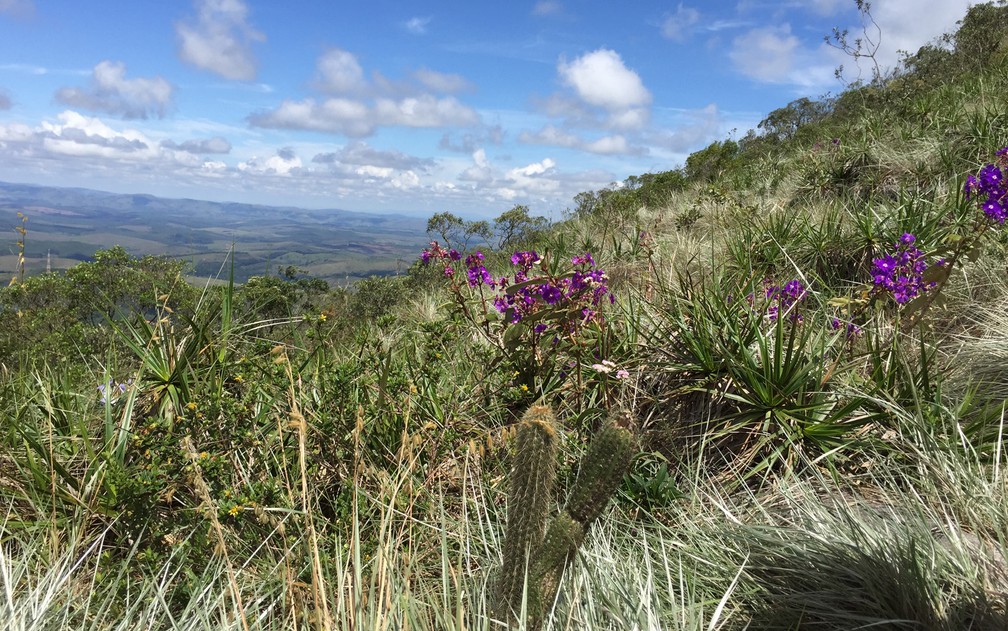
(543, 557)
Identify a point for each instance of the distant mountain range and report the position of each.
(67, 225)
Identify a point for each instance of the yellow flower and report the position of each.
(191, 406)
(322, 317)
(238, 379)
(523, 388)
(233, 511)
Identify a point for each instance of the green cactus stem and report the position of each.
(535, 558)
(608, 459)
(532, 486)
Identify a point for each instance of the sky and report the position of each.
(417, 107)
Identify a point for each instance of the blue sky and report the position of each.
(406, 106)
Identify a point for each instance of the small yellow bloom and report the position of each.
(523, 388)
(191, 406)
(322, 317)
(238, 379)
(233, 511)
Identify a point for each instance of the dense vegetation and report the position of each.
(805, 329)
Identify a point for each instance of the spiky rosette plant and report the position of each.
(535, 557)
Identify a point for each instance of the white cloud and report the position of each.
(111, 92)
(284, 162)
(82, 136)
(601, 79)
(766, 54)
(480, 172)
(606, 145)
(362, 154)
(547, 7)
(699, 128)
(441, 82)
(338, 72)
(205, 146)
(909, 24)
(376, 103)
(358, 119)
(677, 26)
(220, 40)
(417, 25)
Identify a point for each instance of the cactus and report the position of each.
(532, 480)
(543, 557)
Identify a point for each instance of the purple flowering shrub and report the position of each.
(987, 188)
(533, 314)
(900, 273)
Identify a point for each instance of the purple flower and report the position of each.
(550, 294)
(990, 178)
(901, 273)
(454, 254)
(994, 209)
(972, 186)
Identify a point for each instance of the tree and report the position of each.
(784, 122)
(516, 227)
(457, 232)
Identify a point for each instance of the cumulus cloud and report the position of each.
(601, 79)
(358, 106)
(215, 145)
(111, 92)
(220, 39)
(417, 25)
(284, 162)
(338, 72)
(677, 27)
(358, 119)
(766, 54)
(363, 154)
(551, 135)
(481, 172)
(82, 136)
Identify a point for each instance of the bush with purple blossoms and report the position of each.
(987, 187)
(531, 314)
(900, 273)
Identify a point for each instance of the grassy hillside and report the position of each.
(799, 337)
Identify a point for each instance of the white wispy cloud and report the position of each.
(417, 25)
(111, 92)
(220, 39)
(17, 7)
(679, 25)
(441, 82)
(766, 53)
(547, 7)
